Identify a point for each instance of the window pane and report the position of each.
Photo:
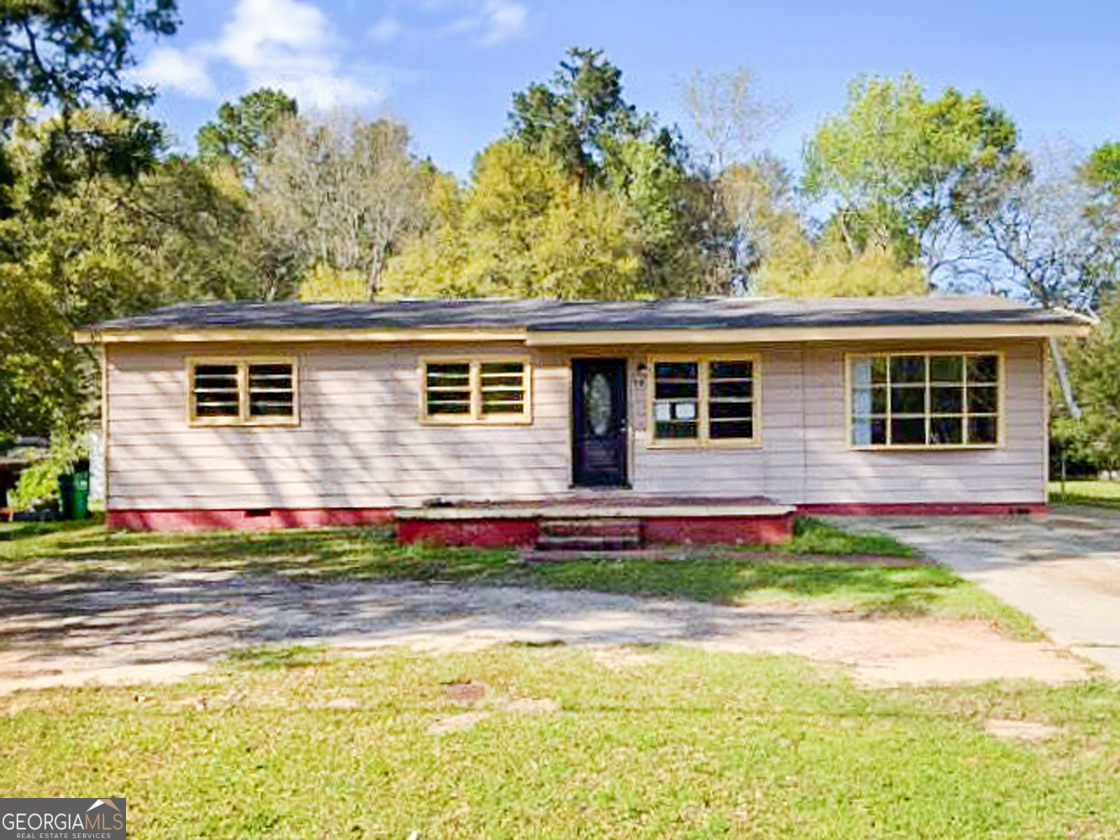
(982, 400)
(731, 389)
(983, 430)
(945, 431)
(271, 391)
(908, 431)
(215, 391)
(731, 370)
(946, 369)
(983, 368)
(908, 400)
(731, 410)
(680, 380)
(447, 388)
(879, 370)
(731, 429)
(947, 400)
(908, 369)
(675, 370)
(677, 430)
(861, 431)
(503, 387)
(878, 432)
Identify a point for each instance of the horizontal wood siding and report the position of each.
(359, 442)
(1015, 471)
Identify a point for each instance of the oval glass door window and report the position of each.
(598, 404)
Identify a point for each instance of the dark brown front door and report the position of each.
(599, 423)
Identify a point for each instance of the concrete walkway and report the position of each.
(1063, 570)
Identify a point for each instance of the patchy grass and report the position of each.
(75, 551)
(681, 744)
(1096, 493)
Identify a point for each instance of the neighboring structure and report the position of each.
(265, 414)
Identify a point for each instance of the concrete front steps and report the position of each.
(567, 535)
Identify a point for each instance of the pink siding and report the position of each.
(360, 444)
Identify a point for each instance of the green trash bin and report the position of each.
(66, 496)
(81, 494)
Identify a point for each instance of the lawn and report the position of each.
(1097, 493)
(798, 573)
(651, 742)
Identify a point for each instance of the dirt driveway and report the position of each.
(1063, 569)
(165, 625)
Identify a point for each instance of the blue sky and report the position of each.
(449, 67)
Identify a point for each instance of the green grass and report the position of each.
(686, 745)
(74, 551)
(1096, 493)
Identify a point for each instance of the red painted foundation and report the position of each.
(722, 530)
(244, 520)
(487, 533)
(925, 509)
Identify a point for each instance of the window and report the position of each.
(703, 402)
(493, 391)
(937, 400)
(243, 392)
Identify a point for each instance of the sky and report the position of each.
(448, 68)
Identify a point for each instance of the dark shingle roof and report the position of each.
(551, 315)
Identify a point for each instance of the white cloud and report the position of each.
(174, 69)
(484, 23)
(385, 30)
(285, 44)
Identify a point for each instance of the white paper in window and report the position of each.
(686, 411)
(663, 411)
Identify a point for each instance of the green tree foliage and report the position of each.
(113, 248)
(71, 56)
(1103, 168)
(1094, 369)
(244, 131)
(586, 197)
(523, 228)
(904, 171)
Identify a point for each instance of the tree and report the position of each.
(583, 124)
(903, 170)
(341, 193)
(524, 228)
(727, 116)
(1045, 237)
(113, 248)
(245, 131)
(71, 56)
(1102, 169)
(1094, 369)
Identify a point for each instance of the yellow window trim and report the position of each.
(243, 418)
(704, 441)
(476, 417)
(1001, 400)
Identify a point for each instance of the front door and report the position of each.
(599, 423)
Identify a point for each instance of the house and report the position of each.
(473, 420)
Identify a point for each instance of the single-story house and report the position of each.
(473, 420)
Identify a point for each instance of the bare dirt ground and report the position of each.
(164, 626)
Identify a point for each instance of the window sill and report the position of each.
(705, 444)
(206, 423)
(922, 447)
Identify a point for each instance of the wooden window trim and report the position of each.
(1001, 403)
(704, 440)
(476, 417)
(243, 418)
